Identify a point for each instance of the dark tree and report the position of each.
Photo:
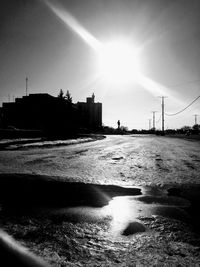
(185, 128)
(61, 94)
(68, 97)
(196, 128)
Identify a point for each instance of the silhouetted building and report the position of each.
(1, 116)
(51, 114)
(40, 111)
(90, 113)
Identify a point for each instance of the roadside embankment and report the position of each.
(41, 142)
(194, 137)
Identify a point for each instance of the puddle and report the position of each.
(175, 213)
(123, 212)
(164, 200)
(117, 206)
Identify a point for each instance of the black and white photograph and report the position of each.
(99, 133)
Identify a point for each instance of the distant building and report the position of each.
(49, 113)
(90, 113)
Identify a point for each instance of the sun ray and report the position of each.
(157, 89)
(75, 25)
(152, 86)
(120, 64)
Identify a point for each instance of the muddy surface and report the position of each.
(103, 225)
(119, 160)
(121, 201)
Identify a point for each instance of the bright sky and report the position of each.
(59, 44)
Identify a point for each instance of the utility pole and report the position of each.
(163, 113)
(149, 124)
(154, 127)
(195, 118)
(26, 86)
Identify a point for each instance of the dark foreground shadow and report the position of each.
(192, 194)
(21, 191)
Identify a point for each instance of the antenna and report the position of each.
(195, 118)
(26, 86)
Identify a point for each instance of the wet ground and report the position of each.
(128, 222)
(123, 160)
(102, 225)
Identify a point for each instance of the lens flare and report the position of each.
(119, 62)
(71, 22)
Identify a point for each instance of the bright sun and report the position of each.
(118, 63)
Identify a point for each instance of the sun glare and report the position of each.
(118, 62)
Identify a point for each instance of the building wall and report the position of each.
(39, 111)
(90, 114)
(45, 112)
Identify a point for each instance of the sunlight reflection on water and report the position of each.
(123, 210)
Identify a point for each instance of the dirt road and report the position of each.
(121, 160)
(135, 201)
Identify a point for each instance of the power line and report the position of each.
(154, 120)
(163, 113)
(173, 114)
